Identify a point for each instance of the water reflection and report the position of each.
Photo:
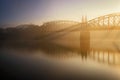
(106, 57)
(57, 51)
(84, 43)
(83, 60)
(73, 56)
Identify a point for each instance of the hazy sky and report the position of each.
(38, 11)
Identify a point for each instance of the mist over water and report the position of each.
(62, 58)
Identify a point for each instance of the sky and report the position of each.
(40, 11)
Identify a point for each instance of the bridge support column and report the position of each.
(84, 38)
(108, 57)
(98, 55)
(113, 58)
(103, 57)
(84, 43)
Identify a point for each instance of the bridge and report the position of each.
(108, 22)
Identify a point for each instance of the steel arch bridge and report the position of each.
(110, 21)
(106, 22)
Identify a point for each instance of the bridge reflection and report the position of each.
(103, 56)
(54, 50)
(106, 56)
(84, 43)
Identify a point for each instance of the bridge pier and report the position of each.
(103, 57)
(113, 58)
(108, 57)
(84, 38)
(98, 55)
(84, 43)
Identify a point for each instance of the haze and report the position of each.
(39, 11)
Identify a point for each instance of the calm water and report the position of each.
(56, 60)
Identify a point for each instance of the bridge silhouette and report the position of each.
(108, 22)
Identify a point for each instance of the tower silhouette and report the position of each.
(84, 38)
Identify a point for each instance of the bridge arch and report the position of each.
(110, 20)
